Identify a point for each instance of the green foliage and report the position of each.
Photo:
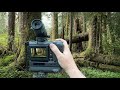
(57, 75)
(111, 38)
(14, 73)
(3, 40)
(3, 17)
(97, 73)
(87, 52)
(6, 60)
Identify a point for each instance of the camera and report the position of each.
(39, 56)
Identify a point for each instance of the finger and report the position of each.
(55, 50)
(64, 42)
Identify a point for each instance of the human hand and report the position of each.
(66, 60)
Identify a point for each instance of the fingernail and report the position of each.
(51, 45)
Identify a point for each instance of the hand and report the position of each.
(66, 60)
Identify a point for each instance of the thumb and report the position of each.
(55, 50)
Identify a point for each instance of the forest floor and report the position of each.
(89, 72)
(9, 72)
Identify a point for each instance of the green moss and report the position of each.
(97, 73)
(14, 73)
(3, 40)
(21, 58)
(57, 75)
(6, 60)
(87, 52)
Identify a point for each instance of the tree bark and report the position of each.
(67, 24)
(100, 35)
(63, 27)
(11, 31)
(71, 31)
(84, 21)
(55, 26)
(78, 30)
(90, 50)
(25, 19)
(23, 28)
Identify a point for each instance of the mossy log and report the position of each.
(87, 63)
(78, 38)
(107, 59)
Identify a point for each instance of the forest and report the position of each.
(93, 38)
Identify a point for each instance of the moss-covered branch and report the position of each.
(78, 38)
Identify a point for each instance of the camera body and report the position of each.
(39, 56)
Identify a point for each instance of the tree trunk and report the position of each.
(11, 31)
(25, 19)
(89, 52)
(55, 26)
(110, 30)
(23, 28)
(78, 30)
(100, 35)
(71, 31)
(67, 24)
(63, 32)
(84, 28)
(84, 21)
(94, 33)
(63, 27)
(104, 30)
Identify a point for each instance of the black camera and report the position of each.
(39, 56)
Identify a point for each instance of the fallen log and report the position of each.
(107, 59)
(79, 38)
(101, 66)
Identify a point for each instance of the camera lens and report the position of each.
(36, 24)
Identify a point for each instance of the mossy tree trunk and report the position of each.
(110, 30)
(23, 28)
(89, 52)
(71, 31)
(105, 31)
(26, 34)
(97, 23)
(84, 21)
(100, 34)
(11, 31)
(67, 23)
(55, 26)
(63, 26)
(84, 28)
(78, 30)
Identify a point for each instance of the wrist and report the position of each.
(75, 73)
